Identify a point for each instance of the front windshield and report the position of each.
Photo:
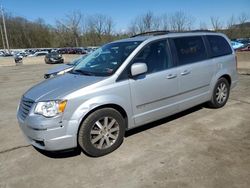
(105, 60)
(77, 60)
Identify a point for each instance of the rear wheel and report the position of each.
(101, 132)
(220, 93)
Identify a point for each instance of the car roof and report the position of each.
(168, 35)
(134, 39)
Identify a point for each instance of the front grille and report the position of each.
(24, 108)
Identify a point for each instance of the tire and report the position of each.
(101, 132)
(220, 93)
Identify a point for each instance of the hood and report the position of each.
(58, 69)
(57, 87)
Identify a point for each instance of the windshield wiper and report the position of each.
(83, 72)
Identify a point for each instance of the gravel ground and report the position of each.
(200, 147)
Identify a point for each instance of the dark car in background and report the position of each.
(73, 50)
(53, 58)
(80, 51)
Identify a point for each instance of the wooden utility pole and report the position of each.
(1, 30)
(5, 31)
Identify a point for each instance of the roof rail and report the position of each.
(201, 30)
(154, 33)
(163, 32)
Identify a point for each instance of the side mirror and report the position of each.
(138, 68)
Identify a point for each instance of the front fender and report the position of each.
(98, 101)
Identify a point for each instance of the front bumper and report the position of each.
(59, 135)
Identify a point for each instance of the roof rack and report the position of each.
(163, 32)
(154, 33)
(200, 30)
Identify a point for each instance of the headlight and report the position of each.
(50, 108)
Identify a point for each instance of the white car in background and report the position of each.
(236, 45)
(41, 53)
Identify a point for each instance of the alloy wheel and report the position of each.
(221, 93)
(104, 133)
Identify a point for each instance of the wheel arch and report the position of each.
(227, 77)
(216, 77)
(110, 105)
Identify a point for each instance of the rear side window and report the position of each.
(190, 49)
(218, 45)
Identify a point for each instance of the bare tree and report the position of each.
(243, 17)
(100, 24)
(180, 21)
(99, 29)
(242, 28)
(145, 22)
(164, 22)
(203, 26)
(76, 29)
(231, 27)
(150, 22)
(72, 24)
(231, 22)
(216, 23)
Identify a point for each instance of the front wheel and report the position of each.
(220, 93)
(102, 132)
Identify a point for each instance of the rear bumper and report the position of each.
(60, 137)
(234, 83)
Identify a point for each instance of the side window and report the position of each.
(155, 55)
(190, 49)
(218, 45)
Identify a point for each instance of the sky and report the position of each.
(124, 11)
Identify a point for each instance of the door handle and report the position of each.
(171, 76)
(185, 72)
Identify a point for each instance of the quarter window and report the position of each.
(190, 49)
(218, 45)
(155, 55)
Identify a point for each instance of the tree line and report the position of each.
(76, 29)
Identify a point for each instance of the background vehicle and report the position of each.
(236, 45)
(5, 54)
(24, 54)
(53, 58)
(244, 49)
(18, 59)
(126, 84)
(242, 44)
(39, 53)
(62, 69)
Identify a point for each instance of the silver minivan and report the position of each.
(126, 84)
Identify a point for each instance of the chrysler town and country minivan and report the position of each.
(126, 84)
